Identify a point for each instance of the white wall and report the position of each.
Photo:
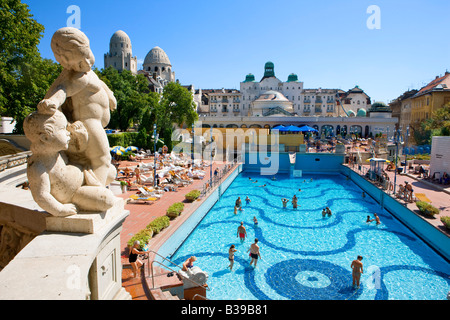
(6, 126)
(440, 155)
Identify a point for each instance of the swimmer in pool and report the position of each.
(357, 270)
(231, 252)
(247, 200)
(241, 232)
(285, 201)
(255, 221)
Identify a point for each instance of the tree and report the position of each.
(176, 107)
(133, 97)
(440, 122)
(24, 76)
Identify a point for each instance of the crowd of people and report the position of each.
(172, 170)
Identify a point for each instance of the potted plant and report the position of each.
(427, 209)
(123, 186)
(175, 210)
(446, 221)
(192, 196)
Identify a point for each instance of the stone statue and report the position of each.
(82, 96)
(71, 162)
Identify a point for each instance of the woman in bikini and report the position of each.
(231, 252)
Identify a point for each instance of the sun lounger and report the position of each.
(137, 197)
(147, 193)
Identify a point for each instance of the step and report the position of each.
(158, 294)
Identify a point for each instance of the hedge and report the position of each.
(446, 221)
(193, 195)
(427, 208)
(142, 236)
(158, 224)
(175, 210)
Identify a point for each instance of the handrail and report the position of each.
(153, 277)
(195, 295)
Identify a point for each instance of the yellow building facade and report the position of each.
(430, 98)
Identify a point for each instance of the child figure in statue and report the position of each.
(60, 188)
(82, 96)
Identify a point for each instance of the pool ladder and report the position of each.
(150, 271)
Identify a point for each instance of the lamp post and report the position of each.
(192, 153)
(406, 144)
(211, 155)
(155, 137)
(397, 141)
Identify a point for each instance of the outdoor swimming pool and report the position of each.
(306, 256)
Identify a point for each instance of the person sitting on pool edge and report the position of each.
(189, 263)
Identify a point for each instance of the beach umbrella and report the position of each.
(307, 129)
(292, 128)
(118, 150)
(378, 160)
(132, 149)
(280, 127)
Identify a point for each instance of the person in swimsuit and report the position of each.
(357, 270)
(247, 200)
(254, 252)
(241, 232)
(255, 221)
(285, 201)
(294, 202)
(231, 252)
(189, 263)
(133, 259)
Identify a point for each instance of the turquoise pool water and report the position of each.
(306, 256)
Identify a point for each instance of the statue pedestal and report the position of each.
(75, 258)
(85, 222)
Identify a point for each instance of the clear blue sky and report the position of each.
(215, 44)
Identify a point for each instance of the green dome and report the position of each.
(269, 70)
(292, 78)
(361, 113)
(249, 78)
(379, 107)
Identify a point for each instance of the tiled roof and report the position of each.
(444, 81)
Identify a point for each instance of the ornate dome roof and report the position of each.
(361, 113)
(292, 78)
(120, 42)
(156, 56)
(120, 36)
(272, 96)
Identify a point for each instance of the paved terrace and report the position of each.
(438, 194)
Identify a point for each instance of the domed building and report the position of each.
(158, 69)
(272, 103)
(120, 55)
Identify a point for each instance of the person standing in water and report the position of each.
(254, 252)
(231, 252)
(241, 232)
(357, 270)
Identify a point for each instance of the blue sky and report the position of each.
(215, 44)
